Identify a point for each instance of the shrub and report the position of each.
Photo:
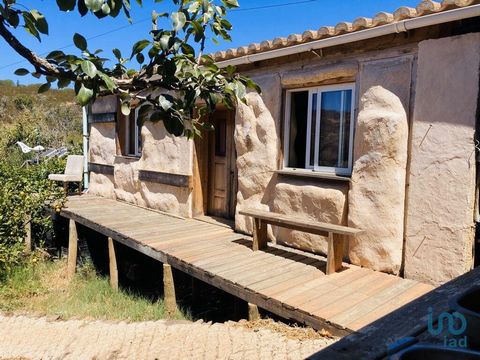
(23, 102)
(25, 191)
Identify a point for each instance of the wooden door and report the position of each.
(222, 174)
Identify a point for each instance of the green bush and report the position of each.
(26, 192)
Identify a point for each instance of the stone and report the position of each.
(377, 193)
(101, 185)
(319, 201)
(257, 147)
(102, 143)
(441, 197)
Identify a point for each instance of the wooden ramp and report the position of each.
(285, 281)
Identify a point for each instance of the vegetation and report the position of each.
(42, 288)
(50, 120)
(171, 60)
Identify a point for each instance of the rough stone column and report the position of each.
(377, 193)
(441, 196)
(256, 143)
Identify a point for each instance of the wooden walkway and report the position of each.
(285, 281)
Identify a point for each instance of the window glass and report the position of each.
(298, 129)
(320, 126)
(313, 128)
(131, 133)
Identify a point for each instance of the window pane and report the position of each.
(139, 139)
(313, 122)
(298, 129)
(335, 128)
(131, 133)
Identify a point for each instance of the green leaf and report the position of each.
(21, 72)
(55, 54)
(178, 19)
(140, 58)
(89, 68)
(117, 53)
(125, 108)
(106, 9)
(13, 18)
(94, 5)
(164, 103)
(66, 5)
(84, 95)
(44, 87)
(40, 21)
(63, 83)
(80, 42)
(231, 3)
(139, 46)
(173, 126)
(109, 83)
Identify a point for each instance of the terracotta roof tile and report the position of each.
(425, 7)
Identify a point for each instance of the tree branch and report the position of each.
(40, 64)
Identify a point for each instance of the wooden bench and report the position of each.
(336, 243)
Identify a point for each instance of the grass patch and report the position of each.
(43, 289)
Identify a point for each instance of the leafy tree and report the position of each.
(173, 65)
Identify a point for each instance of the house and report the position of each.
(370, 124)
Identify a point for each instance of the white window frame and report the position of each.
(318, 90)
(137, 151)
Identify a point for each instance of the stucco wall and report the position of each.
(439, 231)
(162, 153)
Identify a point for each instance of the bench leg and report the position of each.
(259, 235)
(335, 253)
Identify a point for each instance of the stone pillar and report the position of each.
(441, 196)
(377, 194)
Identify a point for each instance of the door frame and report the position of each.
(202, 169)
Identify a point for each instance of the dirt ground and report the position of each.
(27, 337)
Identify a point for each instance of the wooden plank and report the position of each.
(100, 168)
(72, 249)
(361, 309)
(260, 237)
(393, 304)
(112, 265)
(177, 180)
(299, 222)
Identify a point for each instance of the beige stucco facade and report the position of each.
(412, 187)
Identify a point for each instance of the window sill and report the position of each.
(128, 157)
(312, 174)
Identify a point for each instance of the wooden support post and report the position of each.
(169, 291)
(259, 234)
(28, 233)
(112, 265)
(72, 249)
(65, 187)
(253, 313)
(335, 253)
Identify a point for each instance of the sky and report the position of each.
(254, 21)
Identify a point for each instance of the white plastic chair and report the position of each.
(73, 172)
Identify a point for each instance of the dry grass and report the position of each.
(291, 332)
(43, 290)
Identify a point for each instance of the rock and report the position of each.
(102, 143)
(256, 143)
(377, 194)
(325, 202)
(101, 185)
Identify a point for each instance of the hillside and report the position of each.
(51, 119)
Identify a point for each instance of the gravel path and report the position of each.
(24, 337)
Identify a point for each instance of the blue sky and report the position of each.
(251, 24)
